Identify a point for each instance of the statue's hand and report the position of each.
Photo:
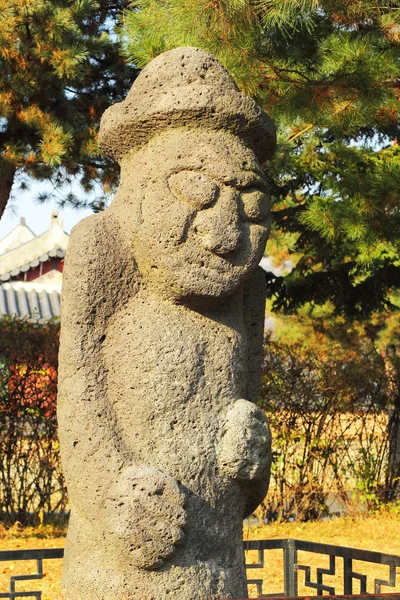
(244, 450)
(144, 516)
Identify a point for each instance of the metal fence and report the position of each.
(291, 567)
(37, 555)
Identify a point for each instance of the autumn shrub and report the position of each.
(330, 410)
(329, 421)
(32, 486)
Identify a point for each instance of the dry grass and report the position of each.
(380, 532)
(28, 538)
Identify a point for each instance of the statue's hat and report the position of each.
(184, 87)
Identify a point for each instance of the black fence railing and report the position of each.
(23, 555)
(347, 556)
(291, 568)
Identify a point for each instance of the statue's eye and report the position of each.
(196, 189)
(256, 204)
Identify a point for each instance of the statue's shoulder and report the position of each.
(94, 248)
(100, 274)
(86, 234)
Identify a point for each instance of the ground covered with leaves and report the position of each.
(379, 532)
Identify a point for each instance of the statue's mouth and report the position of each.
(225, 265)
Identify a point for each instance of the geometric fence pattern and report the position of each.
(292, 569)
(36, 555)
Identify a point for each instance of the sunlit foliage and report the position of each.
(59, 69)
(328, 73)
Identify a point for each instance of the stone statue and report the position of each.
(163, 447)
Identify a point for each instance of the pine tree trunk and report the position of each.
(392, 486)
(393, 480)
(7, 174)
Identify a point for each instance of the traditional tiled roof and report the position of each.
(18, 236)
(56, 252)
(38, 248)
(35, 295)
(39, 301)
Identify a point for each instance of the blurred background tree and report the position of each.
(60, 67)
(327, 71)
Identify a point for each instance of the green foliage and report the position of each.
(60, 68)
(327, 72)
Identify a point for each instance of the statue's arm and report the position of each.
(85, 428)
(254, 315)
(245, 447)
(133, 505)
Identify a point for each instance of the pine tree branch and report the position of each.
(79, 92)
(7, 175)
(278, 72)
(311, 125)
(299, 133)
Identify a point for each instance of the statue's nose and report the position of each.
(219, 227)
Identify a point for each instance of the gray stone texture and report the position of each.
(164, 450)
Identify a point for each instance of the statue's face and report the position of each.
(202, 214)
